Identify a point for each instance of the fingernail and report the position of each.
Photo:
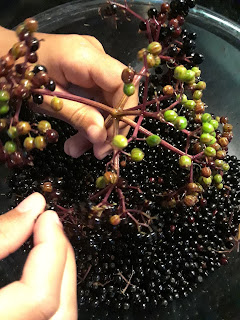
(73, 150)
(57, 220)
(30, 203)
(96, 134)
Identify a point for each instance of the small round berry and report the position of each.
(180, 123)
(33, 44)
(51, 85)
(100, 183)
(197, 95)
(201, 85)
(157, 61)
(141, 54)
(185, 162)
(56, 104)
(189, 76)
(190, 200)
(128, 75)
(39, 68)
(26, 83)
(207, 127)
(23, 127)
(218, 163)
(197, 58)
(10, 147)
(120, 141)
(223, 142)
(200, 107)
(110, 177)
(225, 167)
(47, 187)
(142, 26)
(152, 13)
(28, 143)
(31, 24)
(43, 126)
(154, 48)
(206, 117)
(197, 71)
(170, 115)
(165, 7)
(129, 89)
(153, 140)
(214, 123)
(224, 120)
(227, 127)
(192, 187)
(168, 90)
(219, 186)
(4, 109)
(3, 124)
(207, 181)
(212, 142)
(4, 96)
(180, 73)
(183, 98)
(206, 172)
(51, 136)
(19, 50)
(37, 98)
(221, 154)
(217, 178)
(190, 104)
(40, 142)
(151, 61)
(210, 152)
(33, 57)
(12, 132)
(137, 155)
(115, 220)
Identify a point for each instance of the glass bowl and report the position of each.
(217, 298)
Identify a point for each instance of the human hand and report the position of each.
(82, 61)
(47, 288)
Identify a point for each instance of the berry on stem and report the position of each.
(153, 140)
(185, 162)
(119, 141)
(137, 155)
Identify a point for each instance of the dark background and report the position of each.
(15, 11)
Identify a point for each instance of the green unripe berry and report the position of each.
(207, 127)
(4, 109)
(201, 85)
(43, 126)
(214, 123)
(207, 181)
(219, 186)
(189, 76)
(184, 98)
(190, 104)
(120, 141)
(12, 132)
(213, 141)
(153, 140)
(197, 71)
(197, 95)
(217, 118)
(180, 73)
(206, 117)
(157, 61)
(137, 154)
(100, 183)
(225, 166)
(129, 89)
(205, 138)
(200, 180)
(40, 142)
(213, 134)
(170, 115)
(185, 162)
(210, 152)
(154, 48)
(4, 96)
(218, 162)
(28, 143)
(180, 123)
(217, 178)
(10, 147)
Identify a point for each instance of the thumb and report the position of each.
(16, 226)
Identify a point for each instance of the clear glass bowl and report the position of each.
(219, 40)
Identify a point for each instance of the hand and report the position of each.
(47, 288)
(82, 61)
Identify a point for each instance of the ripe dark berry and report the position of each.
(51, 85)
(142, 26)
(197, 58)
(39, 68)
(37, 98)
(152, 13)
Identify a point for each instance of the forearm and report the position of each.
(8, 38)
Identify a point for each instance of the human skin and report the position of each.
(82, 61)
(47, 288)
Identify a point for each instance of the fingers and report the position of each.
(37, 295)
(77, 145)
(68, 300)
(17, 225)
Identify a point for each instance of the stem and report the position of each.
(71, 97)
(191, 173)
(126, 7)
(18, 109)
